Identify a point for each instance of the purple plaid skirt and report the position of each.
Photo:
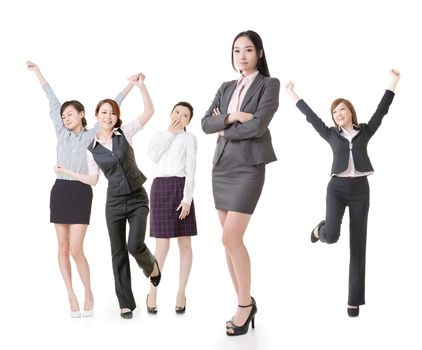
(166, 195)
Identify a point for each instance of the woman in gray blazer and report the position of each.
(240, 113)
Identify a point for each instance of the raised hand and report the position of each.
(395, 74)
(31, 65)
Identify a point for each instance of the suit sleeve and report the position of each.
(258, 125)
(322, 129)
(212, 124)
(382, 109)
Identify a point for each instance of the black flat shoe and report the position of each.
(314, 238)
(233, 330)
(155, 280)
(151, 310)
(353, 312)
(126, 315)
(181, 309)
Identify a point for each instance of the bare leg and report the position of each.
(185, 250)
(162, 246)
(77, 236)
(222, 216)
(234, 229)
(63, 233)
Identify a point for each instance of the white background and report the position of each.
(330, 49)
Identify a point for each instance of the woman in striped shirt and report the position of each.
(70, 200)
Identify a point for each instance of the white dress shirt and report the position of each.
(175, 155)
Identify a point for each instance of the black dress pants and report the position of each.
(354, 193)
(134, 209)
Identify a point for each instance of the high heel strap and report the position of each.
(251, 304)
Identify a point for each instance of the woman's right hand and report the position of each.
(59, 169)
(31, 65)
(174, 126)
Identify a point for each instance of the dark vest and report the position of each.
(119, 166)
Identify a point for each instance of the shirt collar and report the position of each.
(249, 78)
(115, 132)
(84, 129)
(355, 127)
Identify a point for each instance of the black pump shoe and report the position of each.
(353, 312)
(314, 238)
(181, 309)
(233, 330)
(126, 315)
(151, 309)
(155, 280)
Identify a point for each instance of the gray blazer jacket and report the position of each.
(254, 137)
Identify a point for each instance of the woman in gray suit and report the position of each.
(240, 113)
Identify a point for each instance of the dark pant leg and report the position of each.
(335, 206)
(116, 224)
(358, 210)
(137, 216)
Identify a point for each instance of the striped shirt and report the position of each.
(71, 147)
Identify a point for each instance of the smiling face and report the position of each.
(72, 118)
(245, 55)
(342, 116)
(182, 114)
(343, 113)
(106, 117)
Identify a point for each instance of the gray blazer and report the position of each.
(254, 137)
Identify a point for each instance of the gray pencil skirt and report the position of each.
(236, 186)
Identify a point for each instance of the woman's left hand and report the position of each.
(185, 210)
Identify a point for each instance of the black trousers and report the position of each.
(354, 193)
(134, 209)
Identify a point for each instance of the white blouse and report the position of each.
(175, 155)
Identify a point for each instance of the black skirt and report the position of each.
(166, 195)
(70, 202)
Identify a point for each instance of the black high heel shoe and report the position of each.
(233, 330)
(126, 315)
(353, 311)
(155, 280)
(151, 309)
(181, 309)
(314, 238)
(229, 323)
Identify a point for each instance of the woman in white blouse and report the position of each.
(172, 209)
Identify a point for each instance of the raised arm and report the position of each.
(122, 94)
(322, 129)
(147, 102)
(52, 98)
(290, 88)
(384, 105)
(34, 67)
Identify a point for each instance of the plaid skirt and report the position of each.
(166, 195)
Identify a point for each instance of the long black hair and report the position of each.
(261, 65)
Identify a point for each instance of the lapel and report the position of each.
(227, 96)
(252, 89)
